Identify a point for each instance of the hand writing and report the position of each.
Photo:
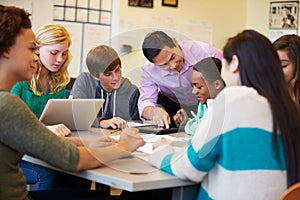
(180, 118)
(130, 139)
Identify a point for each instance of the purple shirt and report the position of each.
(176, 85)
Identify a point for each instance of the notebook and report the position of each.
(76, 114)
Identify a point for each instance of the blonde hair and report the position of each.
(47, 35)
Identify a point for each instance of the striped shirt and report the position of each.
(232, 153)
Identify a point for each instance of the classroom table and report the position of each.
(132, 173)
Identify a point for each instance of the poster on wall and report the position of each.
(283, 19)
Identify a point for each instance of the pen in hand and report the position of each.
(195, 116)
(115, 130)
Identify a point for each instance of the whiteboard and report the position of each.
(84, 36)
(27, 4)
(75, 31)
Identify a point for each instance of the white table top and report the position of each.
(131, 174)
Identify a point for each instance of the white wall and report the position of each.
(42, 13)
(41, 10)
(220, 19)
(225, 17)
(258, 15)
(213, 21)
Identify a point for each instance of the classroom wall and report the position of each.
(257, 16)
(226, 17)
(41, 10)
(212, 21)
(220, 19)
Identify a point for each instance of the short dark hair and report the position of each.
(102, 58)
(12, 21)
(210, 68)
(154, 42)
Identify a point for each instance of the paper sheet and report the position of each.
(136, 124)
(149, 139)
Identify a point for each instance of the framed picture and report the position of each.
(283, 18)
(141, 3)
(172, 3)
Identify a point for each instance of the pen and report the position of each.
(195, 116)
(115, 130)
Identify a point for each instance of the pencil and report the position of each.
(115, 130)
(195, 116)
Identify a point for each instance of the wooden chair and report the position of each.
(292, 193)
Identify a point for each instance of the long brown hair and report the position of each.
(291, 44)
(260, 68)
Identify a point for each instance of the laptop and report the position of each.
(76, 114)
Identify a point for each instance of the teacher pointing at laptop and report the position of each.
(165, 82)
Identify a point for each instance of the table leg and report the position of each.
(185, 192)
(105, 189)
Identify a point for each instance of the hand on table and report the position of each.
(116, 122)
(130, 139)
(161, 141)
(160, 117)
(180, 118)
(59, 129)
(100, 142)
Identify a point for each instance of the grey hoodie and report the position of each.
(125, 101)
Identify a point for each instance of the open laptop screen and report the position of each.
(76, 114)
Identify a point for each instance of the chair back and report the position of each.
(292, 193)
